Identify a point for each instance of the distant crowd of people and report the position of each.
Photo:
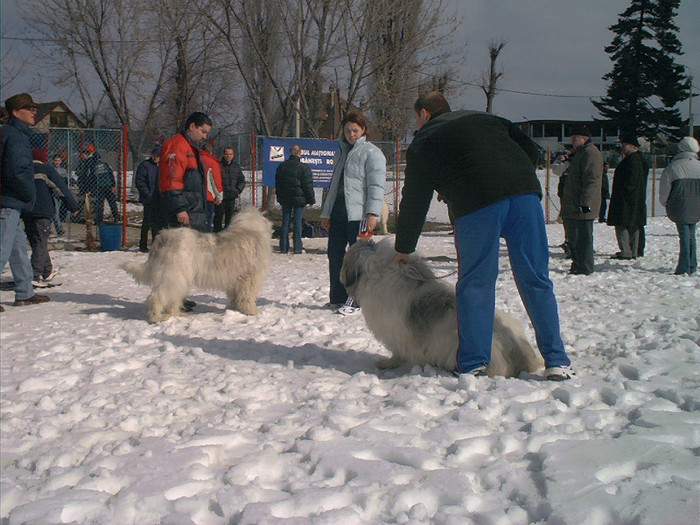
(482, 166)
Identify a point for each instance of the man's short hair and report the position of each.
(296, 150)
(198, 119)
(433, 102)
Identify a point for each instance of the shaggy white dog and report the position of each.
(414, 314)
(234, 260)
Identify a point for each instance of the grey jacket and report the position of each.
(679, 190)
(17, 180)
(365, 177)
(583, 183)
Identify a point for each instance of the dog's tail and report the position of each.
(138, 271)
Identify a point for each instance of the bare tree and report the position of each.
(490, 78)
(115, 37)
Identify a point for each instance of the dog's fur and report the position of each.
(234, 260)
(414, 314)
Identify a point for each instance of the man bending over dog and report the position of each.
(484, 167)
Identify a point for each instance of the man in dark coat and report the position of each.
(18, 194)
(37, 221)
(580, 203)
(295, 189)
(628, 208)
(233, 182)
(484, 167)
(146, 181)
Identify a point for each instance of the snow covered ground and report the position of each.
(219, 418)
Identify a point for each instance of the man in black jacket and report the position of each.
(18, 194)
(233, 182)
(628, 203)
(146, 181)
(295, 189)
(484, 167)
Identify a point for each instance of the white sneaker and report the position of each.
(54, 273)
(346, 310)
(559, 373)
(39, 284)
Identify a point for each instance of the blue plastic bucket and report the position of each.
(110, 237)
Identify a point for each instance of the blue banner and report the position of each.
(316, 153)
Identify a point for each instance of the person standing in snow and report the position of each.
(37, 221)
(580, 203)
(628, 202)
(354, 201)
(484, 166)
(146, 182)
(215, 193)
(679, 193)
(294, 187)
(18, 194)
(233, 182)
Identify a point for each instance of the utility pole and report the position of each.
(690, 106)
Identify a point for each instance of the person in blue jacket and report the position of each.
(37, 220)
(353, 203)
(18, 194)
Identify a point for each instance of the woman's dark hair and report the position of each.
(433, 102)
(356, 118)
(198, 119)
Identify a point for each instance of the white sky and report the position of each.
(553, 47)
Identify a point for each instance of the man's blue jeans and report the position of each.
(688, 253)
(14, 248)
(520, 221)
(298, 213)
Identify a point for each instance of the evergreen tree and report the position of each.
(646, 83)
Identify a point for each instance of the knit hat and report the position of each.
(688, 144)
(156, 150)
(40, 155)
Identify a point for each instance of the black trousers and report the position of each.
(38, 230)
(580, 240)
(223, 214)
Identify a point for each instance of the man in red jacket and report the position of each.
(182, 177)
(215, 191)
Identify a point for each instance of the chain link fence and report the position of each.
(91, 163)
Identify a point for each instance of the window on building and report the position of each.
(58, 120)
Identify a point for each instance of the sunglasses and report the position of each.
(33, 109)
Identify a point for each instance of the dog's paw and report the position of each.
(391, 362)
(246, 310)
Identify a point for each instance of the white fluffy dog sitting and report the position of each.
(234, 260)
(414, 314)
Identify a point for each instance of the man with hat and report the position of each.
(580, 202)
(18, 194)
(146, 181)
(628, 201)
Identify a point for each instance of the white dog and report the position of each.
(234, 260)
(414, 314)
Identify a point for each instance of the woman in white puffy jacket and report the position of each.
(679, 192)
(354, 201)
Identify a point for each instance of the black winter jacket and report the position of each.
(146, 180)
(628, 202)
(472, 159)
(47, 180)
(294, 183)
(232, 179)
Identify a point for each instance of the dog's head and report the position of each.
(356, 262)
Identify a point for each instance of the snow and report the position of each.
(219, 418)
